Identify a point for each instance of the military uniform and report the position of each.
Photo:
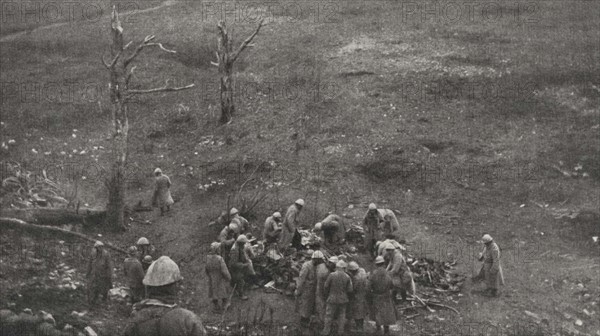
(337, 287)
(153, 317)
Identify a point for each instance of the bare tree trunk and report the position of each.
(225, 60)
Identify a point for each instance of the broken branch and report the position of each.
(160, 89)
(247, 41)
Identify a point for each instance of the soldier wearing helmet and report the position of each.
(162, 192)
(99, 273)
(241, 222)
(159, 314)
(272, 229)
(332, 230)
(322, 274)
(146, 262)
(371, 224)
(291, 223)
(306, 287)
(240, 266)
(399, 272)
(219, 278)
(227, 238)
(380, 289)
(338, 288)
(491, 270)
(134, 273)
(144, 248)
(357, 309)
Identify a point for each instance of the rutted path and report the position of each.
(14, 36)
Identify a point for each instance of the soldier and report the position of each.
(162, 193)
(399, 272)
(144, 248)
(159, 315)
(380, 289)
(272, 229)
(332, 230)
(322, 274)
(146, 262)
(99, 273)
(358, 299)
(240, 266)
(491, 270)
(290, 223)
(371, 224)
(242, 223)
(306, 288)
(380, 246)
(337, 288)
(219, 278)
(332, 263)
(134, 273)
(389, 226)
(227, 239)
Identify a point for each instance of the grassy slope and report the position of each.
(378, 120)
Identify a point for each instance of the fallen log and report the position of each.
(57, 216)
(13, 223)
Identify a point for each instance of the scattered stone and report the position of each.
(89, 331)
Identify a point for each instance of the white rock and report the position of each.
(578, 322)
(89, 331)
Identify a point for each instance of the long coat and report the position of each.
(322, 274)
(240, 264)
(154, 318)
(380, 288)
(100, 271)
(358, 299)
(290, 224)
(400, 273)
(134, 272)
(218, 277)
(372, 231)
(306, 285)
(390, 224)
(491, 270)
(333, 229)
(337, 287)
(162, 192)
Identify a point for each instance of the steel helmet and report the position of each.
(215, 246)
(333, 259)
(379, 260)
(143, 241)
(341, 264)
(300, 202)
(157, 171)
(277, 214)
(318, 226)
(161, 272)
(131, 250)
(147, 259)
(233, 211)
(353, 266)
(318, 255)
(372, 206)
(98, 243)
(242, 239)
(487, 238)
(377, 244)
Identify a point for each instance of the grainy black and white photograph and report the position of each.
(300, 167)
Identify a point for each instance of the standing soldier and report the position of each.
(358, 299)
(491, 271)
(322, 274)
(218, 278)
(144, 248)
(371, 224)
(134, 273)
(272, 229)
(332, 229)
(227, 239)
(389, 226)
(162, 192)
(240, 266)
(306, 288)
(241, 222)
(380, 288)
(99, 273)
(337, 288)
(159, 315)
(146, 262)
(290, 223)
(399, 272)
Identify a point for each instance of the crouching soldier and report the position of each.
(159, 315)
(332, 230)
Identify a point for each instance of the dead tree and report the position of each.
(121, 71)
(225, 59)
